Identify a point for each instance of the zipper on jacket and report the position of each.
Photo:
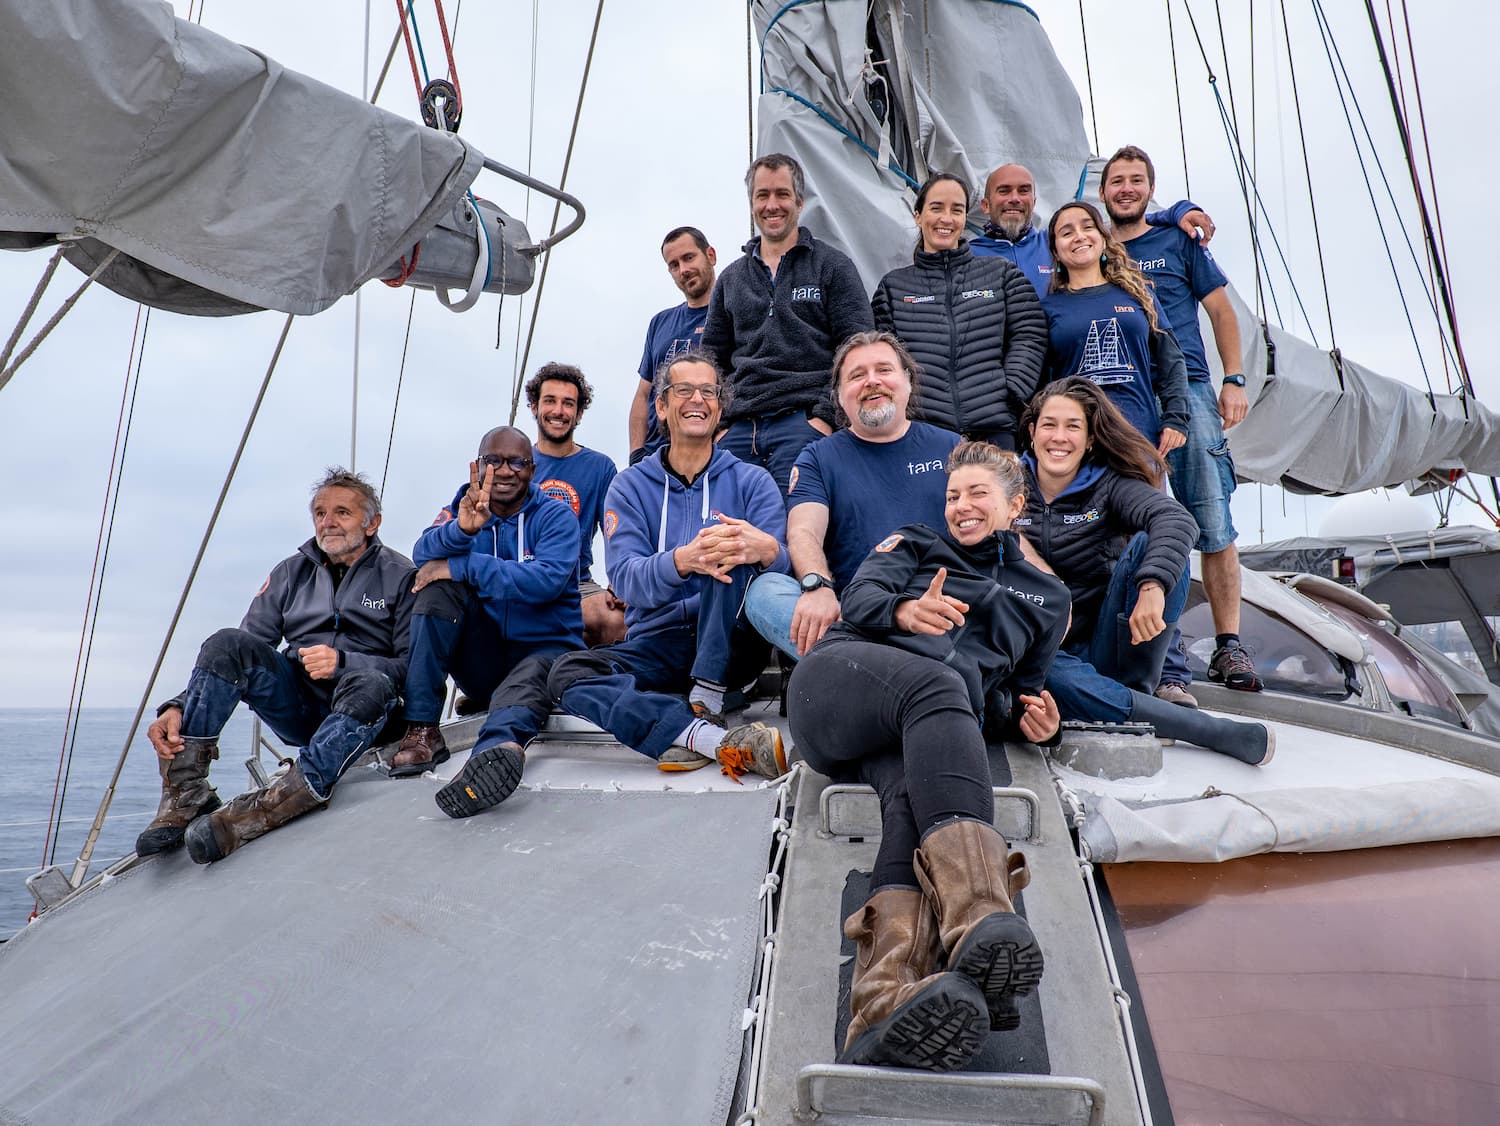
(958, 410)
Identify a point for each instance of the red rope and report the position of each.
(411, 52)
(448, 50)
(407, 269)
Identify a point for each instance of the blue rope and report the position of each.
(1083, 178)
(417, 35)
(892, 166)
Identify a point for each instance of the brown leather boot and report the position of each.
(422, 748)
(251, 815)
(902, 1014)
(185, 793)
(970, 877)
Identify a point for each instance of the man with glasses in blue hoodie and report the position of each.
(686, 529)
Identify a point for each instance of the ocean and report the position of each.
(30, 739)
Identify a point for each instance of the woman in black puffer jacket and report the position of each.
(973, 324)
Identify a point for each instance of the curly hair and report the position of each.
(1115, 262)
(563, 373)
(336, 476)
(1112, 439)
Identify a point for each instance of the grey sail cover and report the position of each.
(972, 85)
(227, 182)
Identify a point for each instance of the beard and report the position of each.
(563, 438)
(877, 417)
(1013, 225)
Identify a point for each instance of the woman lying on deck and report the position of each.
(937, 628)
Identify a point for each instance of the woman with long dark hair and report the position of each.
(1103, 323)
(937, 628)
(974, 324)
(1096, 514)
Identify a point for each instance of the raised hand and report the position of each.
(1040, 720)
(474, 505)
(935, 613)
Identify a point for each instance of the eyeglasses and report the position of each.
(495, 461)
(709, 391)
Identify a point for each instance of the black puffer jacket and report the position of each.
(976, 327)
(1084, 531)
(1012, 628)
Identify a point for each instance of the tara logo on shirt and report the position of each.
(807, 293)
(558, 489)
(371, 603)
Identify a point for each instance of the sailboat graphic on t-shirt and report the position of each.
(1103, 358)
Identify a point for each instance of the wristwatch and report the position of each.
(1235, 380)
(811, 582)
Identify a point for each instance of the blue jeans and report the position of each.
(1082, 675)
(771, 442)
(625, 688)
(334, 722)
(769, 605)
(1202, 474)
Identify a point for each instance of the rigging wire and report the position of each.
(1088, 75)
(96, 583)
(1235, 119)
(81, 866)
(390, 441)
(562, 183)
(1312, 196)
(62, 311)
(1187, 184)
(749, 84)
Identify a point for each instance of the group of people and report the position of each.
(1015, 556)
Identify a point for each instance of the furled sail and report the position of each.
(227, 182)
(871, 107)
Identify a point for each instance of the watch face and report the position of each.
(811, 583)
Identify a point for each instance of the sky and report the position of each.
(662, 141)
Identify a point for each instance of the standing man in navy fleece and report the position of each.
(690, 261)
(497, 593)
(775, 319)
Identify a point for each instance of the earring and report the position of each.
(1103, 258)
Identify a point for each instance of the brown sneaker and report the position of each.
(752, 748)
(1174, 693)
(421, 749)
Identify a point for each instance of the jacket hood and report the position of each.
(1087, 477)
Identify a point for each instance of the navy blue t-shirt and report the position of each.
(872, 488)
(1102, 333)
(1182, 274)
(580, 481)
(671, 332)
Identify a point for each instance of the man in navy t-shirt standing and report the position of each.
(690, 261)
(851, 490)
(1185, 275)
(775, 319)
(558, 394)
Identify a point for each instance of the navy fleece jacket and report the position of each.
(649, 512)
(524, 567)
(775, 338)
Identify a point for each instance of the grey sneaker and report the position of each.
(676, 758)
(752, 748)
(1177, 694)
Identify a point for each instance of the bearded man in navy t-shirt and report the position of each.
(1185, 275)
(691, 262)
(852, 489)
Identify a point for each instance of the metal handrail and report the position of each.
(536, 249)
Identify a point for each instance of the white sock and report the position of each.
(709, 694)
(702, 737)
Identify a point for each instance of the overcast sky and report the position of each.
(662, 142)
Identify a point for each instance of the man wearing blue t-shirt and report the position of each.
(1185, 275)
(690, 261)
(558, 394)
(851, 490)
(1009, 202)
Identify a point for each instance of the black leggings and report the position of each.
(902, 724)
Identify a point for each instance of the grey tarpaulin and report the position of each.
(1320, 819)
(228, 182)
(569, 957)
(968, 86)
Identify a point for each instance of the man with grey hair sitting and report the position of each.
(342, 604)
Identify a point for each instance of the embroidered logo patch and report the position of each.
(442, 518)
(265, 586)
(889, 542)
(792, 482)
(558, 489)
(610, 522)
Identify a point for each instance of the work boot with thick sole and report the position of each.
(901, 1013)
(422, 748)
(970, 878)
(487, 779)
(185, 794)
(215, 835)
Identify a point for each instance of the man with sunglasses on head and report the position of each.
(686, 529)
(497, 599)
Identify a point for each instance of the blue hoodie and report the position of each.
(649, 512)
(532, 594)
